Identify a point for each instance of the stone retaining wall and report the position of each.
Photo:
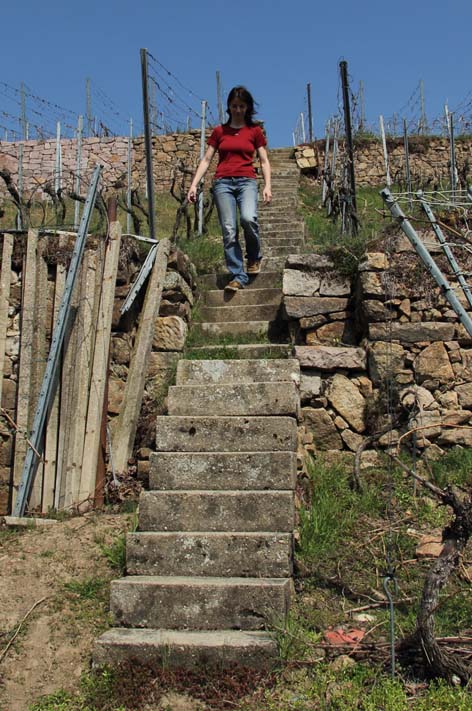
(384, 344)
(428, 158)
(39, 161)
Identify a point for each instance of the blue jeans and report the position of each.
(229, 194)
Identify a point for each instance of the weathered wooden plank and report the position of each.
(100, 366)
(5, 282)
(50, 450)
(86, 332)
(26, 354)
(125, 431)
(66, 410)
(39, 358)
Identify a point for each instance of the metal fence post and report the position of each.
(221, 114)
(385, 153)
(407, 162)
(326, 161)
(452, 156)
(310, 114)
(19, 217)
(148, 144)
(58, 164)
(78, 168)
(128, 187)
(349, 145)
(202, 153)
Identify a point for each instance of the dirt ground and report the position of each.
(62, 570)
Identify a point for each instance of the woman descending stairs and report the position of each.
(209, 568)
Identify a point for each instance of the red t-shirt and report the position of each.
(236, 148)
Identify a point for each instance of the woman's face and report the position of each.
(238, 110)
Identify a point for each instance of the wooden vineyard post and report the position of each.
(26, 356)
(5, 282)
(125, 431)
(100, 367)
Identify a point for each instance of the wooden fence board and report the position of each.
(125, 431)
(100, 365)
(83, 365)
(50, 451)
(25, 364)
(39, 357)
(5, 282)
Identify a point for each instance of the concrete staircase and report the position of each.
(209, 568)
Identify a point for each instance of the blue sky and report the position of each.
(274, 47)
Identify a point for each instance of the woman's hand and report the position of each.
(192, 194)
(267, 194)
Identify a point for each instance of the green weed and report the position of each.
(115, 553)
(96, 694)
(455, 468)
(88, 589)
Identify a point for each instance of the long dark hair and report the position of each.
(240, 92)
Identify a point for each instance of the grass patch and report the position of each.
(87, 589)
(324, 234)
(231, 353)
(115, 553)
(205, 252)
(454, 468)
(97, 693)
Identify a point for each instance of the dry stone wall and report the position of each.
(383, 346)
(39, 159)
(428, 158)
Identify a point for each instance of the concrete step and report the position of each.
(230, 313)
(281, 222)
(241, 351)
(234, 399)
(230, 510)
(280, 251)
(256, 329)
(222, 470)
(199, 603)
(190, 372)
(230, 434)
(276, 241)
(184, 649)
(247, 555)
(264, 280)
(272, 264)
(244, 297)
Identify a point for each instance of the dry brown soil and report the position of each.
(54, 644)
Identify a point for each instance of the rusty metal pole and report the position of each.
(148, 143)
(349, 145)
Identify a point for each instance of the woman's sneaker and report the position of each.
(233, 286)
(254, 267)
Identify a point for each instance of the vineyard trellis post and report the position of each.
(326, 161)
(19, 216)
(58, 162)
(452, 153)
(310, 113)
(407, 162)
(350, 152)
(385, 152)
(78, 169)
(148, 143)
(128, 186)
(219, 99)
(202, 153)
